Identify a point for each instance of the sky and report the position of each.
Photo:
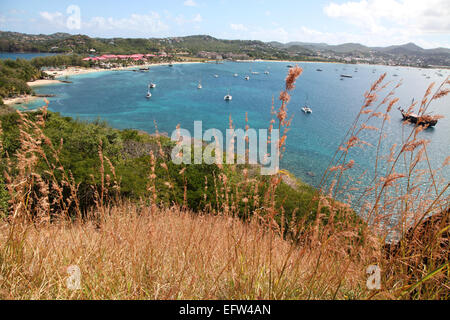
(369, 22)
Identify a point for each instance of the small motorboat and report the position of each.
(216, 76)
(199, 86)
(228, 97)
(235, 75)
(346, 76)
(247, 78)
(306, 109)
(152, 85)
(149, 95)
(319, 70)
(266, 72)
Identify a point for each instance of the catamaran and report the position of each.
(305, 108)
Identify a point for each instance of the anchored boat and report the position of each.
(425, 120)
(228, 97)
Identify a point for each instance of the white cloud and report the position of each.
(190, 3)
(198, 18)
(405, 16)
(181, 20)
(55, 18)
(148, 23)
(238, 27)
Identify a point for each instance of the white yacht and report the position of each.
(228, 97)
(306, 109)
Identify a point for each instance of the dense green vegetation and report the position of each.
(129, 152)
(81, 44)
(14, 75)
(59, 61)
(66, 43)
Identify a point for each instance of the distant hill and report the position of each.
(205, 45)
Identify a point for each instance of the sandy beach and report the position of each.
(42, 82)
(23, 99)
(72, 71)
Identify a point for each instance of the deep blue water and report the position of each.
(27, 56)
(119, 98)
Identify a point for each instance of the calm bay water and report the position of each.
(26, 56)
(119, 98)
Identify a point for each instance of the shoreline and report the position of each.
(74, 71)
(352, 64)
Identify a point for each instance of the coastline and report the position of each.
(23, 99)
(74, 71)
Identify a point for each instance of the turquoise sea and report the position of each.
(118, 97)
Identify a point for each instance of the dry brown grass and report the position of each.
(131, 253)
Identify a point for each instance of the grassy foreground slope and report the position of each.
(137, 226)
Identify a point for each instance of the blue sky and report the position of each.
(370, 22)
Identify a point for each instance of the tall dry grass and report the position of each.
(137, 251)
